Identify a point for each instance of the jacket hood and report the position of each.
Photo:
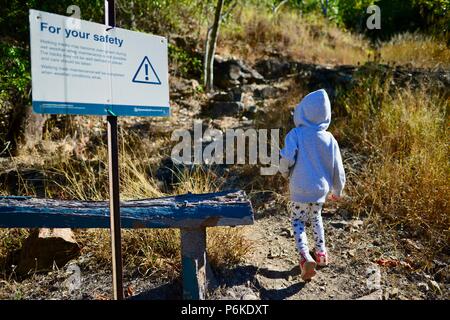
(314, 111)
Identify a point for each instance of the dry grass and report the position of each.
(255, 32)
(405, 182)
(149, 251)
(158, 250)
(416, 50)
(404, 135)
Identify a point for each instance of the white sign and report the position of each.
(92, 69)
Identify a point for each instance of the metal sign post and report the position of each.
(113, 171)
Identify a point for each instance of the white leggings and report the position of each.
(302, 213)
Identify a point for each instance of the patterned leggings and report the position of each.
(302, 213)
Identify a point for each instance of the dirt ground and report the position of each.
(269, 272)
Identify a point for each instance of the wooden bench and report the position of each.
(192, 213)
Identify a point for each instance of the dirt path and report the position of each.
(271, 271)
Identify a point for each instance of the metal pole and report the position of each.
(113, 170)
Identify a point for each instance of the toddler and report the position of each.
(312, 160)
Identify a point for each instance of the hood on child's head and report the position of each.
(314, 111)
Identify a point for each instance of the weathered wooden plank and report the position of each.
(228, 208)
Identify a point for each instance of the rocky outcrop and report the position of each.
(45, 248)
(233, 72)
(331, 78)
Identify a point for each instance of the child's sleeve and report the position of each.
(288, 153)
(339, 173)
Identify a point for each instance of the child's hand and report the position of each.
(333, 197)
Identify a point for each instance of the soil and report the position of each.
(270, 272)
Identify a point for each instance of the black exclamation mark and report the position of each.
(146, 72)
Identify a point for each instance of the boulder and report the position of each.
(274, 68)
(180, 87)
(46, 247)
(232, 72)
(224, 108)
(266, 92)
(227, 96)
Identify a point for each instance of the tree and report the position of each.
(210, 49)
(211, 42)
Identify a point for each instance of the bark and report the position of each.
(211, 47)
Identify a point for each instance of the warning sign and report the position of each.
(146, 73)
(96, 70)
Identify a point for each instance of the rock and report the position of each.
(274, 68)
(249, 296)
(222, 108)
(232, 72)
(351, 252)
(393, 292)
(274, 253)
(227, 96)
(183, 87)
(339, 224)
(376, 295)
(423, 286)
(373, 274)
(45, 247)
(240, 292)
(356, 224)
(266, 92)
(435, 286)
(286, 232)
(248, 101)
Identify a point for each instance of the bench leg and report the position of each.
(193, 260)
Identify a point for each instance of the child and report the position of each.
(312, 161)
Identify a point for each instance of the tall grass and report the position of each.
(416, 50)
(151, 250)
(405, 181)
(255, 32)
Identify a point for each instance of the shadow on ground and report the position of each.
(244, 275)
(167, 291)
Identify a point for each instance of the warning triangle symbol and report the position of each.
(146, 73)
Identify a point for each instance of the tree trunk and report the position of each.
(132, 16)
(211, 47)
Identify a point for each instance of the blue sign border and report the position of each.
(49, 107)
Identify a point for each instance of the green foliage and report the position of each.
(185, 63)
(163, 17)
(14, 87)
(14, 14)
(14, 70)
(397, 16)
